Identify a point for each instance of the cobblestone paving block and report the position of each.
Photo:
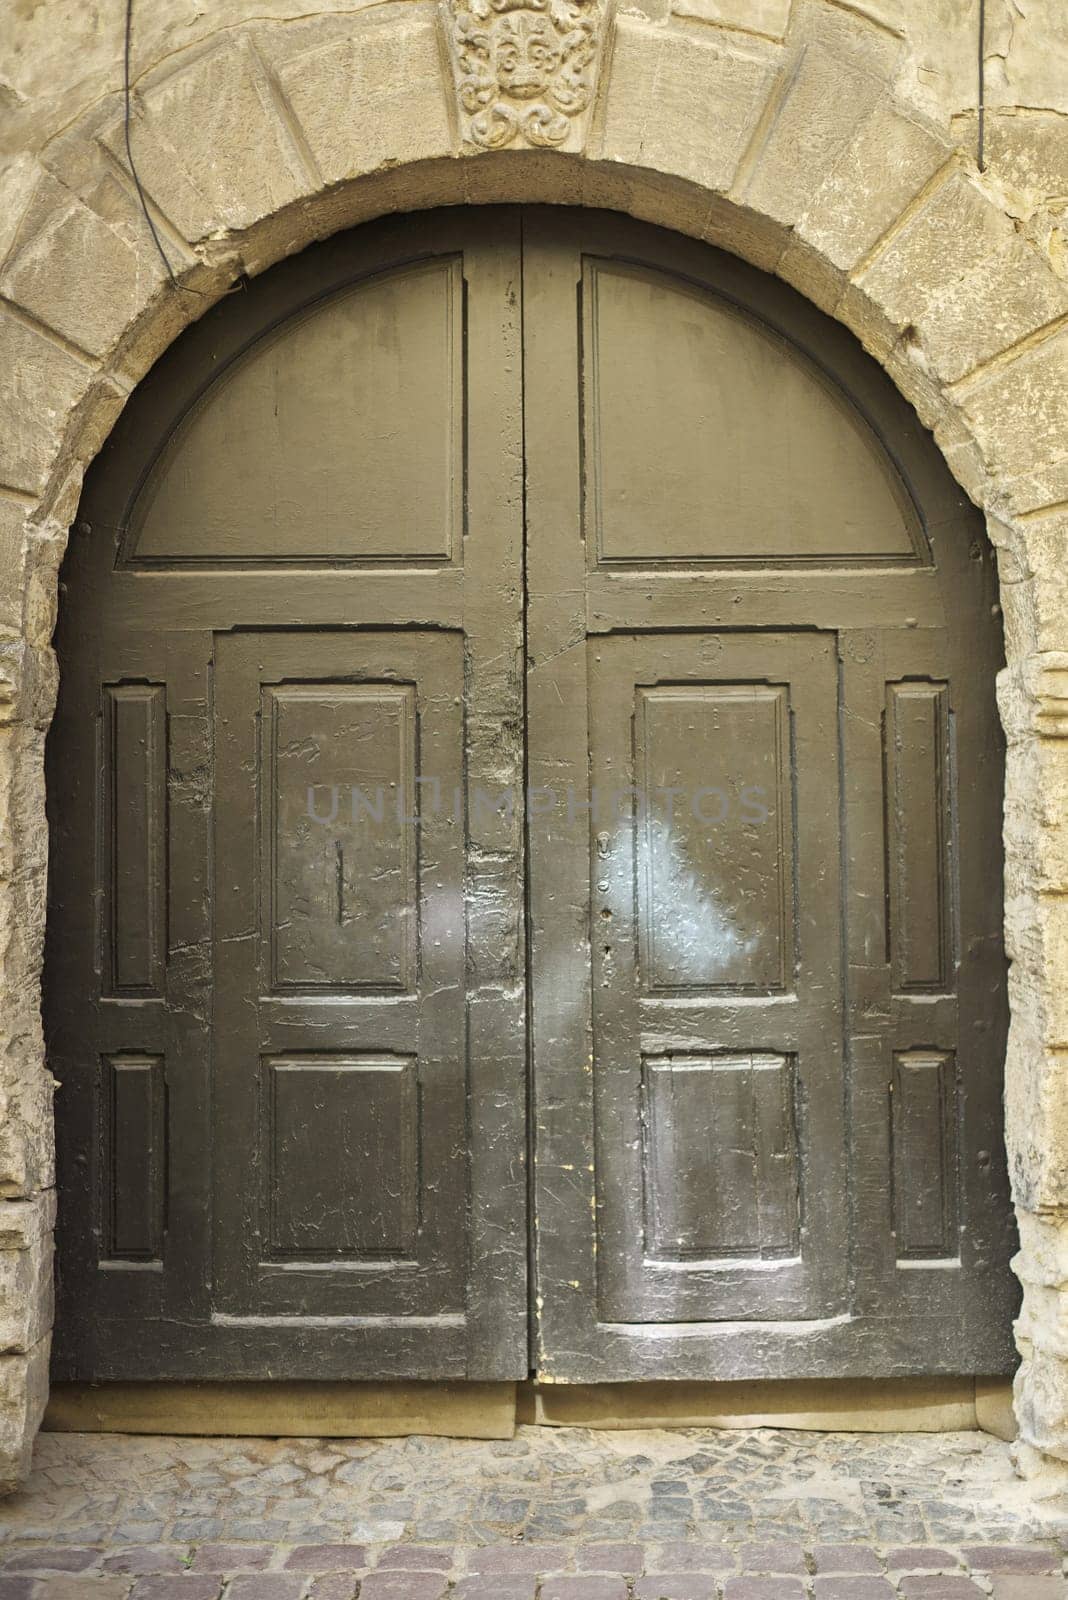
(147, 1558)
(403, 1586)
(327, 1558)
(534, 1558)
(59, 1559)
(334, 1586)
(845, 1558)
(265, 1586)
(778, 1558)
(81, 1588)
(585, 1588)
(1010, 1558)
(481, 1588)
(161, 1586)
(763, 1589)
(226, 1558)
(416, 1558)
(845, 1587)
(614, 1558)
(1029, 1588)
(677, 1586)
(690, 1557)
(939, 1588)
(921, 1558)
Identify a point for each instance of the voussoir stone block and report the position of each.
(955, 229)
(41, 384)
(877, 174)
(76, 275)
(966, 315)
(824, 101)
(685, 102)
(1019, 413)
(369, 95)
(216, 113)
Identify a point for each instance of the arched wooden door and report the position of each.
(507, 639)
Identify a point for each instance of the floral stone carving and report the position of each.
(525, 69)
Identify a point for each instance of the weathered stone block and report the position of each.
(825, 100)
(26, 1270)
(173, 191)
(1019, 413)
(1036, 1105)
(40, 386)
(880, 170)
(76, 275)
(1036, 816)
(952, 233)
(370, 95)
(216, 115)
(684, 102)
(13, 548)
(23, 1394)
(20, 179)
(1027, 149)
(1042, 548)
(1006, 298)
(1043, 1253)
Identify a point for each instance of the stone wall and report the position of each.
(834, 143)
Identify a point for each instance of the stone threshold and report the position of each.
(472, 1410)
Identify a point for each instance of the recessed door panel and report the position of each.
(708, 439)
(336, 438)
(726, 1080)
(339, 856)
(720, 1178)
(365, 701)
(714, 849)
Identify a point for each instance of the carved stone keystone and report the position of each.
(525, 70)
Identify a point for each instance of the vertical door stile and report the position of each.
(564, 1220)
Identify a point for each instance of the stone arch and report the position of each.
(802, 136)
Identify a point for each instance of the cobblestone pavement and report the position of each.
(551, 1515)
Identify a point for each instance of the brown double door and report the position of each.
(526, 774)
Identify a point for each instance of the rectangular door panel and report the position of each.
(717, 1019)
(340, 920)
(330, 851)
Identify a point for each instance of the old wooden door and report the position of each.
(766, 963)
(316, 831)
(286, 985)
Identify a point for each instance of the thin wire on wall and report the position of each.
(981, 154)
(129, 151)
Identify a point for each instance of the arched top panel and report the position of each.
(710, 438)
(336, 436)
(320, 417)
